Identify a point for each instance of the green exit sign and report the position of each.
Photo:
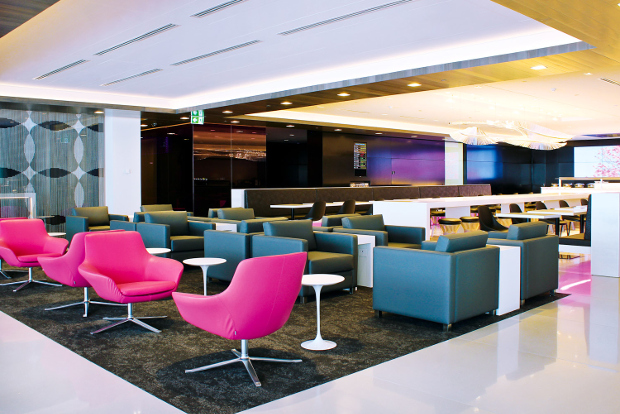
(198, 117)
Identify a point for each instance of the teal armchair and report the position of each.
(391, 236)
(244, 219)
(90, 219)
(234, 247)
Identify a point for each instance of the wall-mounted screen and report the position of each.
(359, 159)
(603, 161)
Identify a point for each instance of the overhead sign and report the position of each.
(198, 117)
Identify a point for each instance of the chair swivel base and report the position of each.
(29, 281)
(246, 360)
(130, 318)
(86, 302)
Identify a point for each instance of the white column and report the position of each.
(454, 163)
(605, 228)
(122, 166)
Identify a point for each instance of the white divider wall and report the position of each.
(122, 171)
(605, 234)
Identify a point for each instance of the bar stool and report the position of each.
(449, 225)
(470, 223)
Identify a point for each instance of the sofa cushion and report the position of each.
(461, 241)
(326, 262)
(97, 216)
(298, 229)
(177, 220)
(186, 243)
(99, 228)
(156, 207)
(374, 222)
(575, 240)
(237, 213)
(523, 231)
(404, 245)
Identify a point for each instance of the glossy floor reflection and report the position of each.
(563, 357)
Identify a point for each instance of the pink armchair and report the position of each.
(23, 242)
(64, 269)
(257, 302)
(120, 269)
(2, 271)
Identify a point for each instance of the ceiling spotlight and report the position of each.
(290, 126)
(227, 112)
(234, 122)
(538, 67)
(99, 112)
(588, 74)
(344, 94)
(185, 117)
(171, 133)
(286, 103)
(143, 125)
(286, 140)
(378, 133)
(338, 130)
(414, 84)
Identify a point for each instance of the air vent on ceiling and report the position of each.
(217, 8)
(613, 82)
(148, 72)
(139, 38)
(217, 52)
(344, 17)
(55, 71)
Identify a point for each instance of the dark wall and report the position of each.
(507, 168)
(391, 161)
(294, 158)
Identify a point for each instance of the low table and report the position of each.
(365, 246)
(232, 227)
(317, 282)
(204, 263)
(156, 251)
(509, 279)
(56, 234)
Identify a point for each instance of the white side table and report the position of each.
(509, 279)
(204, 263)
(232, 227)
(317, 282)
(156, 251)
(56, 234)
(365, 246)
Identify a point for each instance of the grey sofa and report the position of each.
(392, 236)
(172, 230)
(90, 219)
(455, 279)
(244, 218)
(539, 256)
(335, 220)
(331, 253)
(138, 217)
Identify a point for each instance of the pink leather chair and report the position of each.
(257, 302)
(120, 269)
(23, 242)
(64, 269)
(2, 271)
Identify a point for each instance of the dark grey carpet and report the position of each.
(156, 362)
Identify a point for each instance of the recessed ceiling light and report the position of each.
(384, 114)
(414, 84)
(338, 130)
(587, 74)
(185, 117)
(171, 133)
(286, 140)
(227, 112)
(143, 125)
(538, 67)
(290, 126)
(344, 94)
(99, 112)
(291, 135)
(286, 103)
(379, 133)
(234, 122)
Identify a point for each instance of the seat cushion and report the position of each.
(298, 229)
(404, 245)
(97, 216)
(33, 258)
(461, 241)
(575, 240)
(374, 222)
(186, 243)
(177, 220)
(156, 207)
(325, 262)
(98, 228)
(235, 213)
(146, 288)
(524, 231)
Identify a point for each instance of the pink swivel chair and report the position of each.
(2, 271)
(257, 302)
(120, 269)
(64, 269)
(23, 242)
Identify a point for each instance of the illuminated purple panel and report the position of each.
(418, 171)
(379, 171)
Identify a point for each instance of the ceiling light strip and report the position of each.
(69, 66)
(217, 52)
(344, 17)
(148, 72)
(613, 82)
(139, 38)
(217, 8)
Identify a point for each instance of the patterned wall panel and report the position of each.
(58, 156)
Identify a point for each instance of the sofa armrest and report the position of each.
(498, 235)
(381, 237)
(154, 235)
(123, 225)
(403, 234)
(336, 243)
(119, 217)
(197, 228)
(271, 245)
(75, 224)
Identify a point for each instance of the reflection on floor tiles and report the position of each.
(563, 357)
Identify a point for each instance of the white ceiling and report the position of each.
(415, 34)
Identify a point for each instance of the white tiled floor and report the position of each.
(563, 357)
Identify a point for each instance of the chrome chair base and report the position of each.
(246, 360)
(129, 318)
(6, 276)
(29, 281)
(86, 302)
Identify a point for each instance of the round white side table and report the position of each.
(204, 263)
(56, 234)
(317, 282)
(158, 250)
